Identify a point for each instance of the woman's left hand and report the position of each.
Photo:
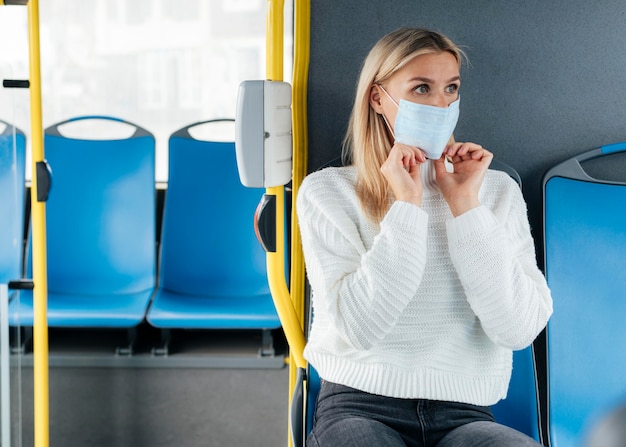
(460, 188)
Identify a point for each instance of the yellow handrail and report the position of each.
(300, 157)
(290, 304)
(38, 210)
(276, 260)
(302, 12)
(38, 216)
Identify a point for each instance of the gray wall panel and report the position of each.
(545, 80)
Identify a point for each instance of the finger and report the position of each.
(457, 151)
(452, 148)
(408, 158)
(399, 157)
(481, 154)
(440, 166)
(415, 154)
(451, 154)
(487, 156)
(470, 151)
(469, 148)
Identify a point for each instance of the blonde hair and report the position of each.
(368, 141)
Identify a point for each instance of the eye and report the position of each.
(452, 88)
(422, 89)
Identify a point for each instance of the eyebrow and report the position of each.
(430, 81)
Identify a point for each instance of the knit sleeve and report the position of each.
(494, 255)
(361, 290)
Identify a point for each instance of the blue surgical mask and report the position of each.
(426, 127)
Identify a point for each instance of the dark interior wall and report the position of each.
(545, 81)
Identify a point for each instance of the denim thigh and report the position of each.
(486, 434)
(345, 416)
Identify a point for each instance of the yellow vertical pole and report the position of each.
(300, 157)
(274, 29)
(276, 260)
(300, 142)
(291, 321)
(38, 210)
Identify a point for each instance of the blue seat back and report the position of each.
(100, 218)
(520, 408)
(12, 190)
(585, 260)
(208, 241)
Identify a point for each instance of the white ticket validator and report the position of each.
(263, 141)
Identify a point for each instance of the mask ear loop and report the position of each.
(388, 126)
(388, 95)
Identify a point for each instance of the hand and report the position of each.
(402, 171)
(460, 188)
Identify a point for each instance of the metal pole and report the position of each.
(38, 210)
(5, 383)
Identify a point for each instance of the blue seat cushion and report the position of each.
(113, 311)
(174, 310)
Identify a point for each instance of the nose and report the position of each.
(439, 100)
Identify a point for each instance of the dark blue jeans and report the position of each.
(348, 417)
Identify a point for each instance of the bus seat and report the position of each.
(519, 410)
(585, 261)
(12, 201)
(100, 225)
(212, 267)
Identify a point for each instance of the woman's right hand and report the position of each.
(402, 171)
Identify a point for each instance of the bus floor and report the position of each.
(136, 405)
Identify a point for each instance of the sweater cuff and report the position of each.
(406, 215)
(478, 220)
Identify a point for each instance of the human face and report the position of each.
(431, 79)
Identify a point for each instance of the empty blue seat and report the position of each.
(585, 261)
(12, 195)
(100, 224)
(212, 267)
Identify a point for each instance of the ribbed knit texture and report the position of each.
(423, 305)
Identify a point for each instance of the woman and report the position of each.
(421, 263)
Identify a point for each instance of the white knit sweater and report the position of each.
(423, 305)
